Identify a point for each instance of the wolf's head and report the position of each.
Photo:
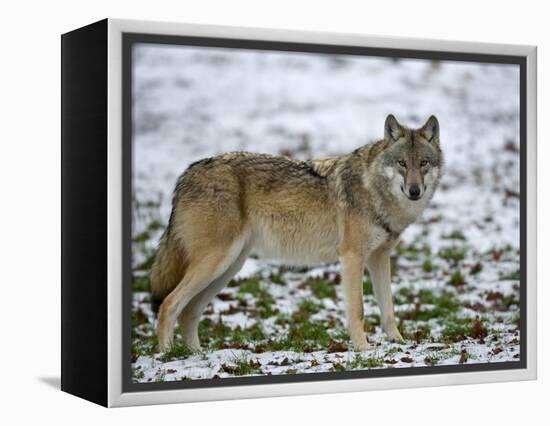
(412, 161)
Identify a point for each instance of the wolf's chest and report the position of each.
(406, 213)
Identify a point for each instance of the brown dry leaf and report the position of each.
(225, 297)
(229, 368)
(234, 345)
(337, 347)
(285, 361)
(259, 349)
(231, 310)
(369, 328)
(255, 364)
(494, 295)
(478, 329)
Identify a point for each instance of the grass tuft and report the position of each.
(321, 288)
(452, 254)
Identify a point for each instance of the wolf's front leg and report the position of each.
(352, 281)
(378, 264)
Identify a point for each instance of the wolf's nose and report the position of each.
(414, 190)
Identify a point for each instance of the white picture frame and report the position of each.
(112, 391)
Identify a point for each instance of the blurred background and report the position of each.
(456, 276)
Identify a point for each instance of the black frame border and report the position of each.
(84, 235)
(129, 39)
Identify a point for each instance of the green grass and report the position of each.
(142, 237)
(216, 335)
(213, 334)
(277, 279)
(404, 295)
(341, 334)
(428, 266)
(510, 300)
(305, 336)
(251, 286)
(301, 334)
(141, 283)
(243, 367)
(321, 288)
(499, 253)
(246, 367)
(140, 322)
(457, 279)
(252, 334)
(515, 275)
(264, 303)
(144, 346)
(393, 351)
(359, 362)
(306, 308)
(178, 350)
(372, 320)
(455, 235)
(413, 252)
(419, 332)
(373, 362)
(452, 254)
(458, 329)
(432, 359)
(443, 304)
(367, 285)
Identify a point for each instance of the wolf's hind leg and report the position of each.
(190, 316)
(203, 270)
(352, 282)
(378, 264)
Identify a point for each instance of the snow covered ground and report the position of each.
(456, 272)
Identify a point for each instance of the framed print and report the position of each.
(251, 212)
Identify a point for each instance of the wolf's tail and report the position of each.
(167, 271)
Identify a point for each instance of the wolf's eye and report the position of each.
(424, 163)
(402, 163)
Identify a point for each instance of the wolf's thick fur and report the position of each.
(350, 208)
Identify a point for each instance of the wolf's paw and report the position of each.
(165, 343)
(164, 347)
(194, 347)
(192, 343)
(394, 335)
(362, 346)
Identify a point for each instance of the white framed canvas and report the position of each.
(252, 212)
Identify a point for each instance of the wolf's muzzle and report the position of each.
(414, 192)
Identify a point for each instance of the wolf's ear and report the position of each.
(430, 130)
(392, 129)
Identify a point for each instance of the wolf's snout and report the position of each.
(414, 192)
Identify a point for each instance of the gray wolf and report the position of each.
(351, 208)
